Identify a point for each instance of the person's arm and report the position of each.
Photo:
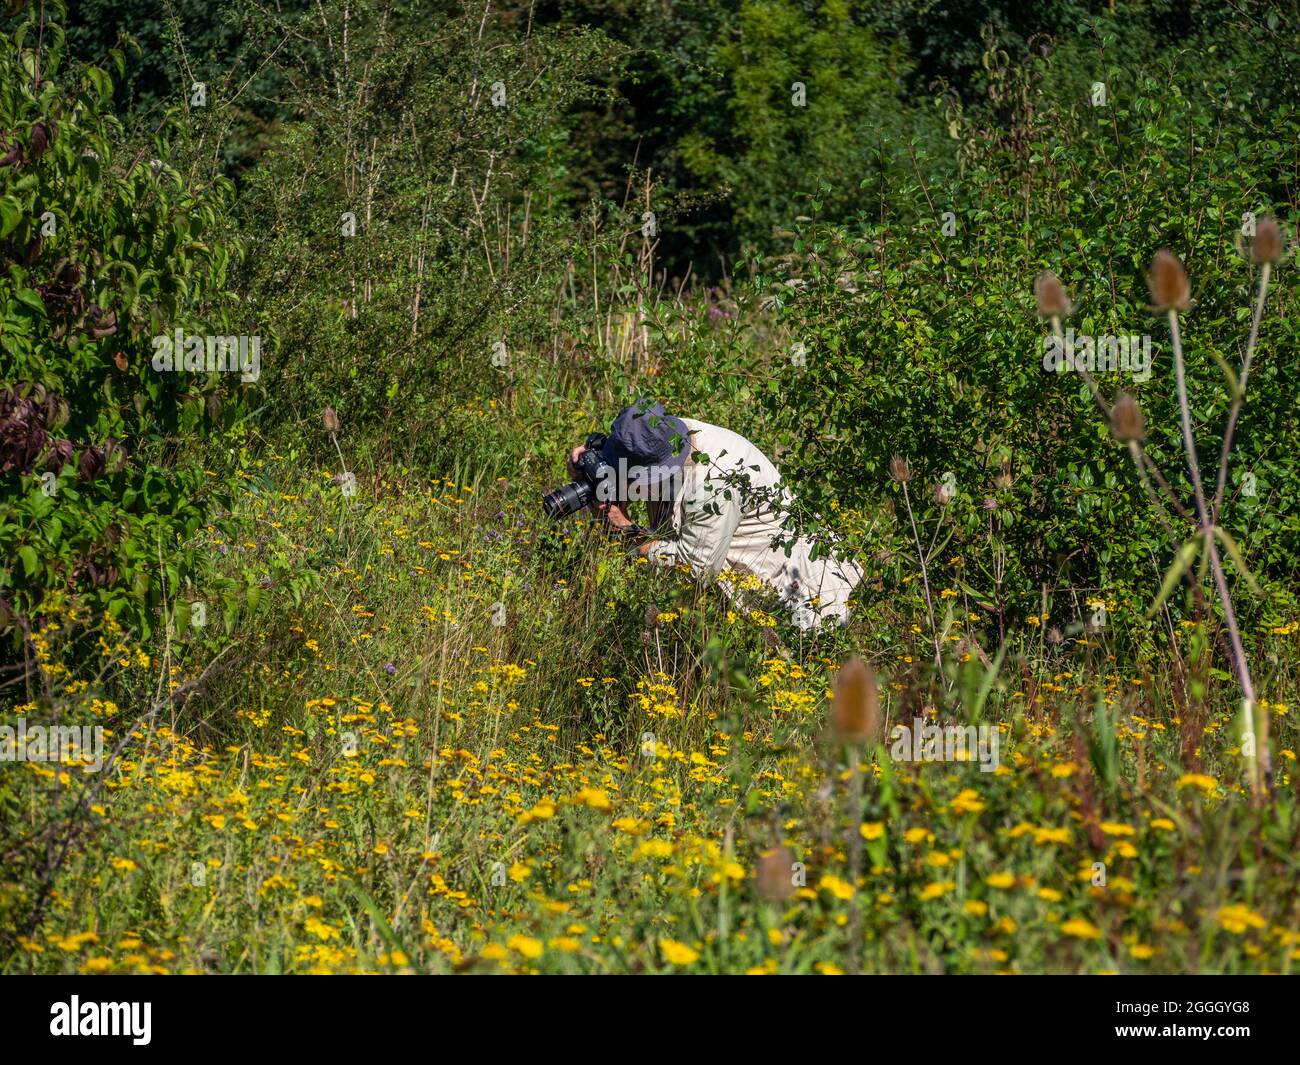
(616, 518)
(705, 537)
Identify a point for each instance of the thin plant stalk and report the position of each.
(925, 579)
(1261, 760)
(1206, 516)
(1082, 370)
(855, 860)
(1239, 399)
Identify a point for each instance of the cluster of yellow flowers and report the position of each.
(445, 809)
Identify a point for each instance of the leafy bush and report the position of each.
(922, 338)
(103, 249)
(411, 218)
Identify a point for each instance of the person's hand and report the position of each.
(614, 516)
(573, 460)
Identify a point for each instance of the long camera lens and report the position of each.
(567, 499)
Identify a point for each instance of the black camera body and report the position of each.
(572, 497)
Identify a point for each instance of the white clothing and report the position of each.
(725, 515)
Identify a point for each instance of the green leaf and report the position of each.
(1185, 557)
(11, 213)
(1230, 545)
(385, 929)
(1234, 389)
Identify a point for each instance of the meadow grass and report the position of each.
(476, 743)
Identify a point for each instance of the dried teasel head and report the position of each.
(899, 470)
(775, 874)
(1267, 245)
(855, 710)
(1167, 280)
(1126, 420)
(331, 419)
(1050, 296)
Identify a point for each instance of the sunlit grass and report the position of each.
(472, 746)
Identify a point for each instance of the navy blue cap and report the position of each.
(648, 439)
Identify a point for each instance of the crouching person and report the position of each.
(716, 504)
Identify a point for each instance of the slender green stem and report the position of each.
(1239, 400)
(1242, 668)
(925, 579)
(855, 860)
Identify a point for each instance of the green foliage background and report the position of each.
(467, 235)
(929, 346)
(496, 255)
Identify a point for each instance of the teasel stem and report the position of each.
(1185, 415)
(1143, 462)
(1147, 472)
(855, 860)
(1083, 370)
(1239, 400)
(1146, 465)
(1205, 518)
(925, 579)
(1140, 457)
(1139, 461)
(342, 460)
(1261, 760)
(1165, 487)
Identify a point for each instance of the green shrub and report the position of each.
(103, 249)
(412, 218)
(922, 337)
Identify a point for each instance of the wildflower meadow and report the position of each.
(306, 305)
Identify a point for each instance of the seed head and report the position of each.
(899, 470)
(856, 707)
(773, 874)
(1051, 297)
(1267, 245)
(1126, 420)
(1167, 279)
(331, 419)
